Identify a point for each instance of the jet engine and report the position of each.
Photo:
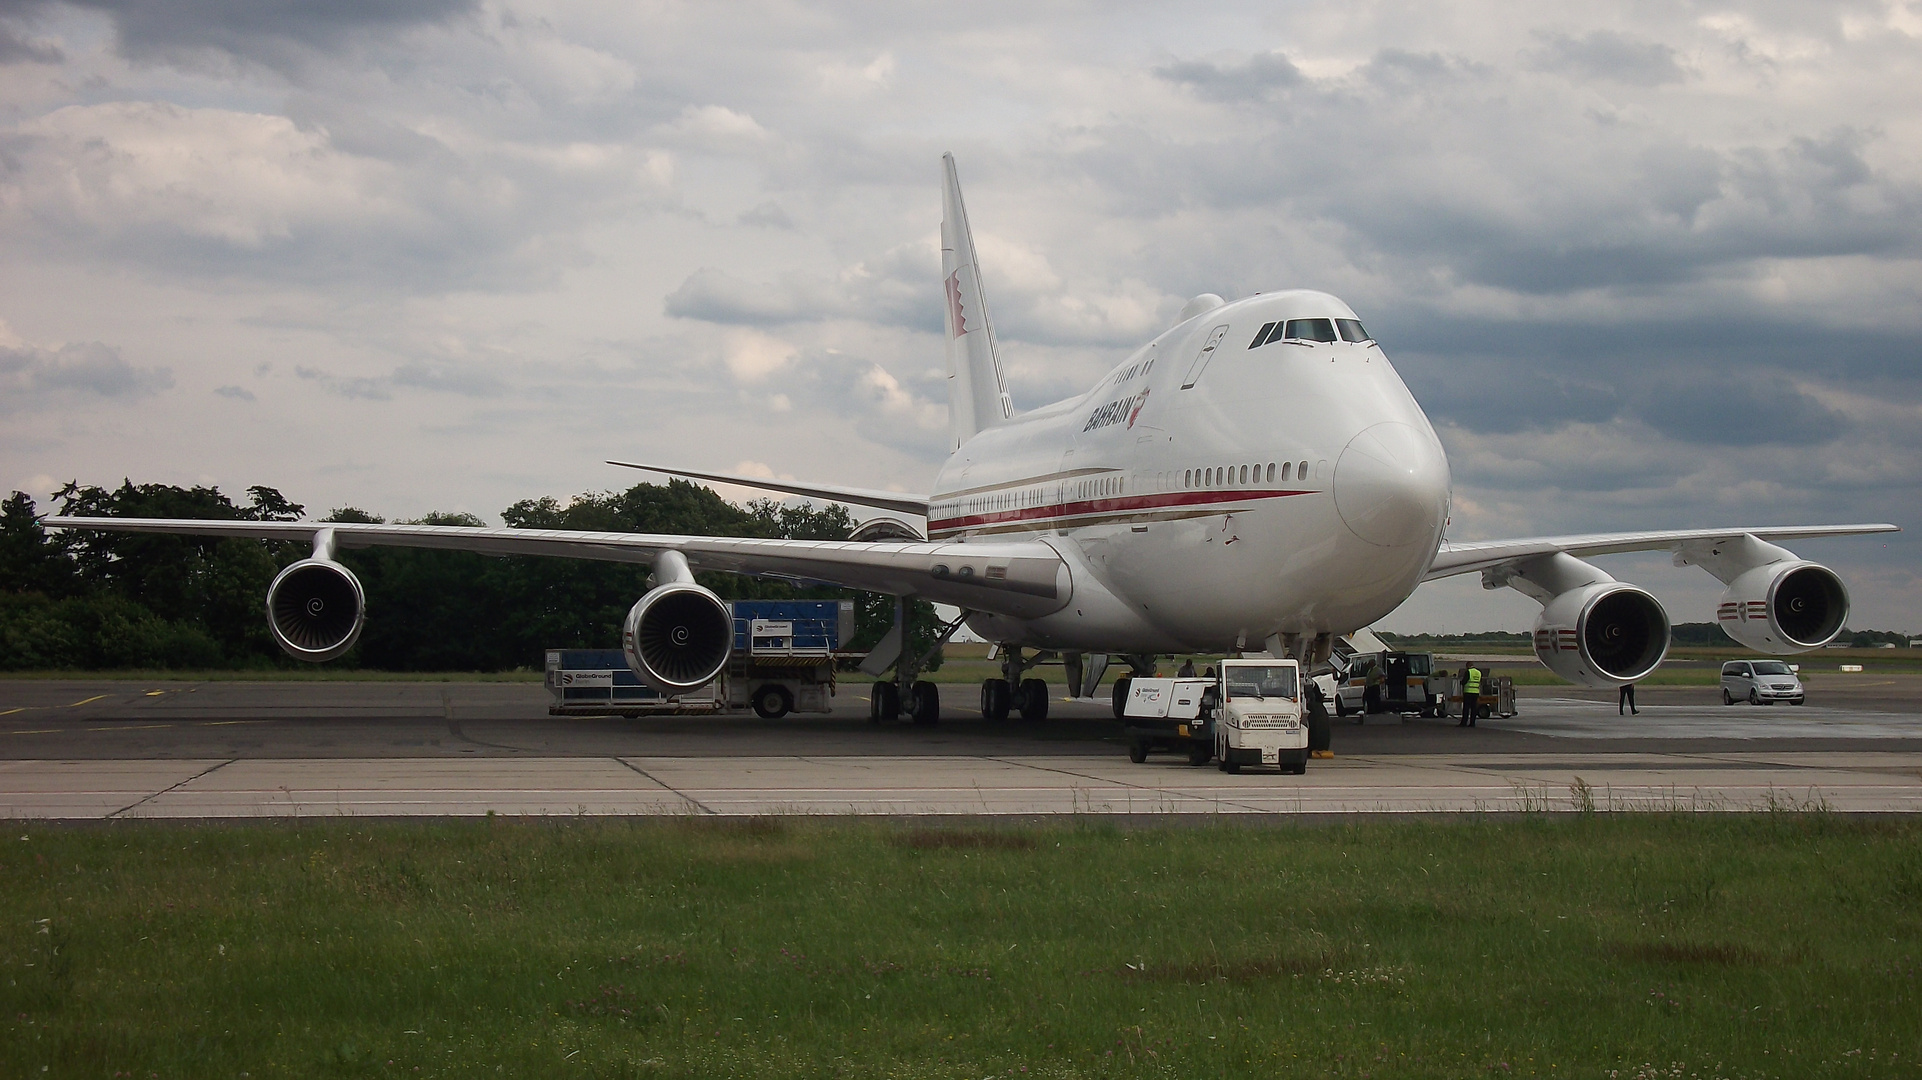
(1784, 607)
(1603, 634)
(678, 636)
(316, 609)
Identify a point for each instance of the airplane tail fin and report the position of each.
(977, 392)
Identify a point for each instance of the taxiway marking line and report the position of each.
(87, 701)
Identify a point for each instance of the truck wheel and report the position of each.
(1121, 695)
(1200, 754)
(884, 703)
(1137, 751)
(994, 699)
(1230, 767)
(771, 702)
(1034, 700)
(1297, 766)
(927, 703)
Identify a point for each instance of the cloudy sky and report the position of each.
(1645, 264)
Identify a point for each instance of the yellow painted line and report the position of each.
(224, 723)
(10, 712)
(90, 700)
(38, 731)
(129, 727)
(155, 693)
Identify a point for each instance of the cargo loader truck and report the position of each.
(1250, 713)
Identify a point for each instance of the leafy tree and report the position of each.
(217, 584)
(30, 560)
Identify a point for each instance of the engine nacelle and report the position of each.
(1784, 607)
(677, 637)
(1604, 634)
(316, 609)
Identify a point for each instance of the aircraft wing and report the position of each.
(1467, 557)
(899, 502)
(1025, 579)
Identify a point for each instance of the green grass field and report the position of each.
(1780, 945)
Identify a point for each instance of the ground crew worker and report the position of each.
(1187, 669)
(1627, 701)
(1471, 694)
(1320, 727)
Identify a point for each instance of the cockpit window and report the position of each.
(1310, 330)
(1351, 330)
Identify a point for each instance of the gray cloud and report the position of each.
(270, 32)
(1258, 78)
(352, 387)
(238, 393)
(1612, 56)
(35, 376)
(18, 46)
(768, 215)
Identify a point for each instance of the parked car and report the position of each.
(1759, 682)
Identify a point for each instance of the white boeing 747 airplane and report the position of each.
(1256, 478)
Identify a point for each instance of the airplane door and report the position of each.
(1394, 678)
(1207, 353)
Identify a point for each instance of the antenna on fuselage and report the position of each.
(977, 391)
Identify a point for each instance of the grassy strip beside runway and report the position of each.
(1786, 944)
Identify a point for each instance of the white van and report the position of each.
(1759, 682)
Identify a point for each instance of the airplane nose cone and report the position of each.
(1391, 486)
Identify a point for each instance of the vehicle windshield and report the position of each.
(1260, 681)
(1771, 667)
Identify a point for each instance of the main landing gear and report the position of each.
(1012, 693)
(919, 697)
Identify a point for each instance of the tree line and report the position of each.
(98, 600)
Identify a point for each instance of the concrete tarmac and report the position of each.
(94, 749)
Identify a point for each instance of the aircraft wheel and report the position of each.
(1034, 700)
(995, 699)
(1137, 751)
(771, 702)
(1121, 695)
(884, 703)
(926, 704)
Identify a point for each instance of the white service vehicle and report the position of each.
(1250, 713)
(1760, 682)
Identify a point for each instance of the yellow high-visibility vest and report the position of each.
(1474, 683)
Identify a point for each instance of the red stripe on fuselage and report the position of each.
(1118, 504)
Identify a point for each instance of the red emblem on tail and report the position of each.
(956, 318)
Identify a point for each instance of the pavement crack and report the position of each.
(665, 786)
(175, 787)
